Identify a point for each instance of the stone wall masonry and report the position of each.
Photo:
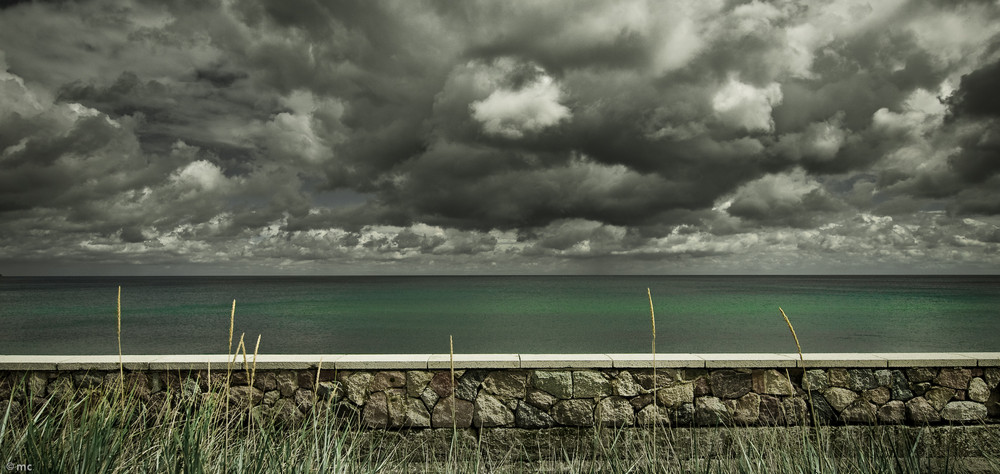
(750, 391)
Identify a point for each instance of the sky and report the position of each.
(499, 137)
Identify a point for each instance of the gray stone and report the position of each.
(376, 411)
(730, 383)
(978, 390)
(684, 415)
(506, 383)
(590, 384)
(286, 413)
(190, 391)
(955, 378)
(772, 382)
(624, 385)
(665, 377)
(964, 411)
(541, 399)
(490, 412)
(429, 397)
(837, 377)
(468, 385)
(920, 411)
(398, 405)
(357, 387)
(815, 380)
(883, 377)
(441, 384)
(557, 383)
(919, 389)
(87, 380)
(710, 410)
(701, 387)
(243, 397)
(416, 382)
(900, 387)
(265, 381)
(992, 377)
(329, 391)
(771, 411)
(650, 415)
(529, 417)
(878, 396)
(675, 396)
(287, 382)
(796, 411)
(822, 410)
(417, 415)
(641, 401)
(859, 412)
(892, 413)
(61, 388)
(839, 398)
(575, 412)
(615, 411)
(441, 416)
(744, 410)
(270, 398)
(386, 380)
(37, 384)
(920, 374)
(305, 399)
(861, 379)
(939, 397)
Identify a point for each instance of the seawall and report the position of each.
(546, 391)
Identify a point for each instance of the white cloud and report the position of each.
(512, 113)
(744, 106)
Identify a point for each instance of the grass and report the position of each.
(116, 430)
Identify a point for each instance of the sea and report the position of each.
(499, 314)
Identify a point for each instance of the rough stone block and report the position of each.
(822, 410)
(992, 377)
(398, 404)
(650, 415)
(839, 398)
(624, 385)
(244, 397)
(772, 382)
(541, 399)
(920, 374)
(955, 378)
(920, 411)
(590, 384)
(575, 412)
(441, 416)
(892, 413)
(730, 383)
(744, 410)
(815, 380)
(939, 397)
(615, 411)
(978, 390)
(771, 412)
(557, 383)
(883, 377)
(357, 387)
(287, 382)
(665, 377)
(861, 379)
(329, 391)
(270, 398)
(376, 411)
(386, 380)
(285, 412)
(506, 383)
(429, 397)
(441, 384)
(468, 385)
(701, 387)
(304, 399)
(710, 411)
(641, 401)
(796, 411)
(861, 412)
(837, 377)
(530, 417)
(878, 396)
(676, 396)
(900, 387)
(37, 384)
(266, 381)
(964, 411)
(416, 382)
(490, 412)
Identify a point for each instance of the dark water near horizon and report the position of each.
(507, 314)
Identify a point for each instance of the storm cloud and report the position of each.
(499, 137)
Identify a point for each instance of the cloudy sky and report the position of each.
(358, 137)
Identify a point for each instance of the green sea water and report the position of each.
(501, 314)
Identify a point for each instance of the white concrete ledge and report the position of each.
(500, 361)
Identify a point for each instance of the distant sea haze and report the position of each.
(501, 314)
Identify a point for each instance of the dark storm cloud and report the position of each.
(519, 134)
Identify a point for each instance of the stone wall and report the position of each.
(554, 397)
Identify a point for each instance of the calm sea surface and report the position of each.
(500, 314)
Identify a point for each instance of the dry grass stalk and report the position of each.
(798, 347)
(253, 370)
(656, 413)
(451, 363)
(121, 365)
